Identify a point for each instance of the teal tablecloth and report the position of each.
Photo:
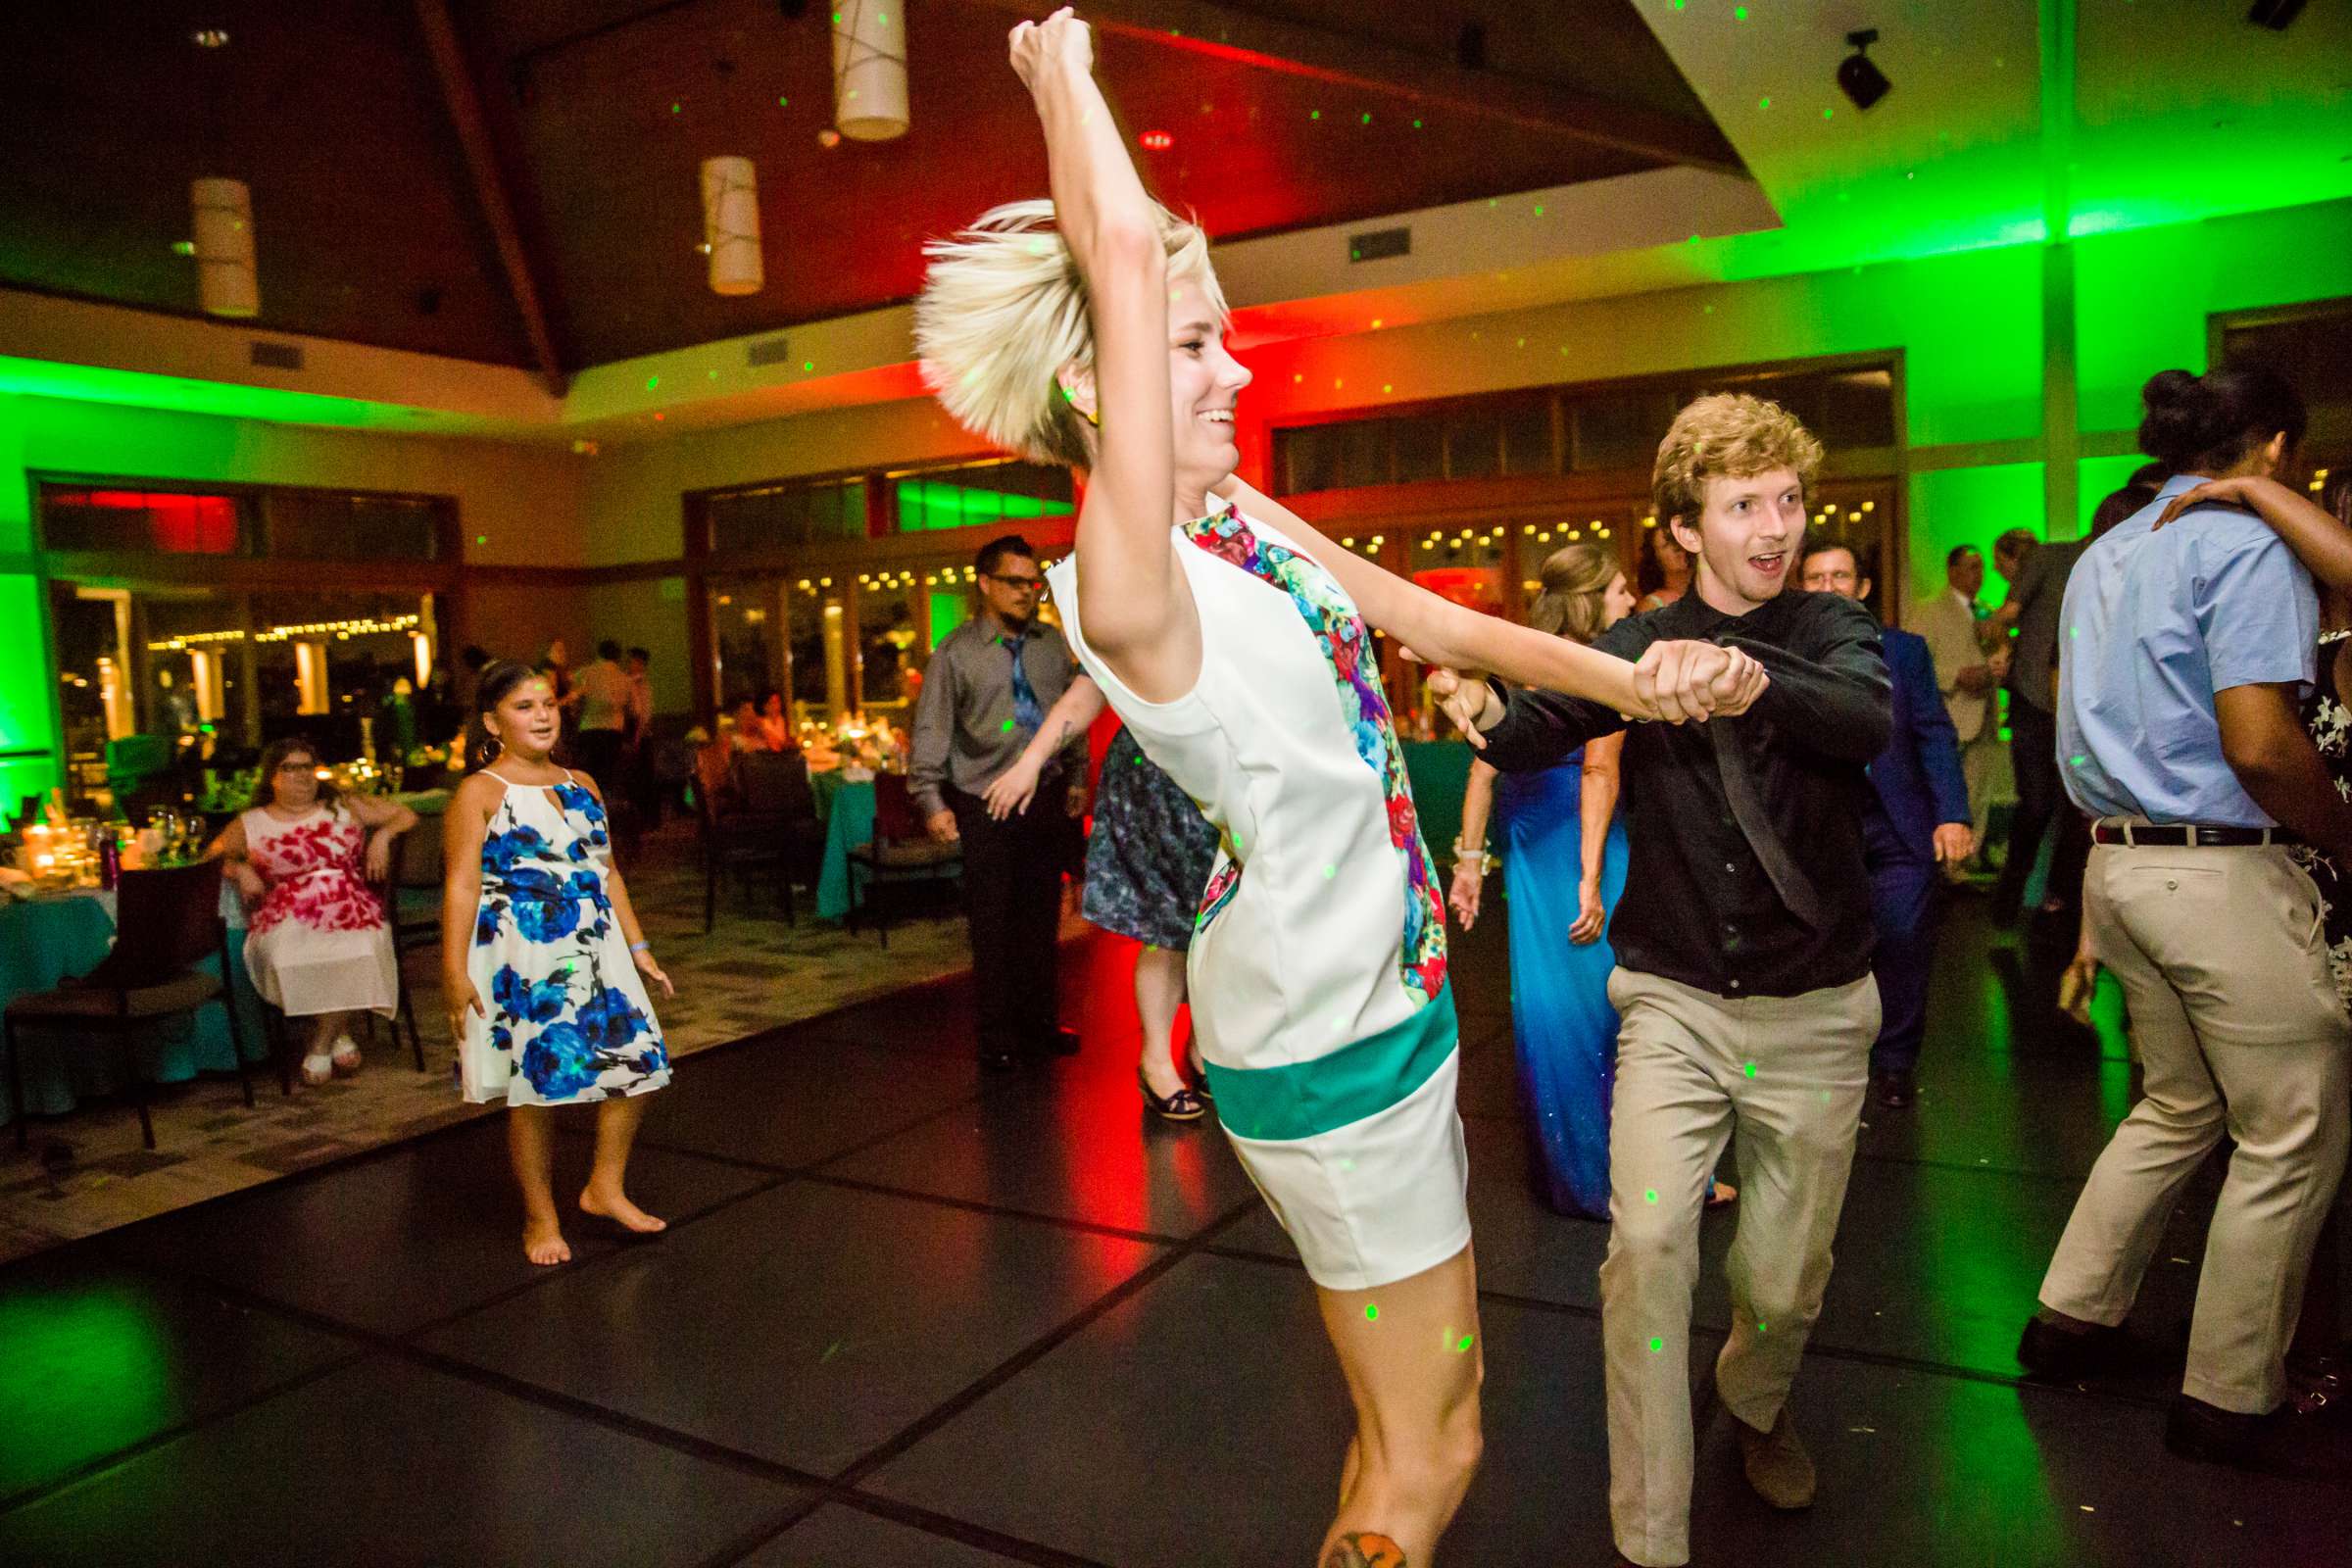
(45, 940)
(849, 823)
(1439, 771)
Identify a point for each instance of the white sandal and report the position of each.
(347, 1059)
(317, 1069)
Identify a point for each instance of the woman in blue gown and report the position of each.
(1563, 860)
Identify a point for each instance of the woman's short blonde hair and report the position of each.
(1726, 435)
(1576, 579)
(1003, 309)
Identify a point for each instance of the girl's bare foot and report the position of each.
(543, 1242)
(616, 1206)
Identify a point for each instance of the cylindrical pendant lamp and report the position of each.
(731, 225)
(869, 68)
(226, 282)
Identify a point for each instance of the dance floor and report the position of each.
(907, 1317)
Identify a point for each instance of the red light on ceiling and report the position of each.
(1158, 141)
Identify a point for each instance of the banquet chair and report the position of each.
(775, 785)
(412, 904)
(166, 922)
(902, 854)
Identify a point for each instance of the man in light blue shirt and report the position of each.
(2155, 622)
(2185, 652)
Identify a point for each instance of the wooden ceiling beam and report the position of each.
(1213, 28)
(464, 107)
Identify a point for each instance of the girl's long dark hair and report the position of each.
(277, 751)
(498, 685)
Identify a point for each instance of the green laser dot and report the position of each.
(1738, 12)
(1656, 1344)
(807, 365)
(1650, 1197)
(1764, 103)
(1365, 120)
(1463, 1344)
(783, 102)
(1752, 1069)
(1314, 114)
(1538, 209)
(1371, 1312)
(481, 538)
(677, 109)
(1009, 726)
(1829, 113)
(653, 383)
(1416, 125)
(2080, 760)
(1760, 1326)
(1330, 871)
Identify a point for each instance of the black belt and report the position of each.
(2187, 835)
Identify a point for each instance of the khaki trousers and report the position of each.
(1788, 1072)
(2239, 1031)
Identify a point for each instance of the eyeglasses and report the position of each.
(1025, 585)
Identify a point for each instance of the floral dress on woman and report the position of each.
(319, 942)
(567, 1019)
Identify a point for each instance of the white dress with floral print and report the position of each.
(317, 942)
(568, 1021)
(1317, 967)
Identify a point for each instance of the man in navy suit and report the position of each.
(1915, 818)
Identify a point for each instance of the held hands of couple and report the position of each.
(1674, 684)
(1685, 681)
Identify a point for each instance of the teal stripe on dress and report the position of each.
(1356, 1081)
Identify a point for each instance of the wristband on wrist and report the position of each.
(640, 946)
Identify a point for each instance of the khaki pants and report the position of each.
(2223, 970)
(1788, 1072)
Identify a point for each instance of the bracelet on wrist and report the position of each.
(640, 946)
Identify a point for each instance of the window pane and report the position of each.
(1473, 444)
(1620, 429)
(143, 521)
(1526, 439)
(1311, 457)
(1857, 410)
(989, 495)
(1420, 446)
(1363, 452)
(2313, 352)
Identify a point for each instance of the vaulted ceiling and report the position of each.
(514, 182)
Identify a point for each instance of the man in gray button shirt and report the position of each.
(986, 692)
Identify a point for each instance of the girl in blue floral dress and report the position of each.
(543, 964)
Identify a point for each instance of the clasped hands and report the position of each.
(1674, 682)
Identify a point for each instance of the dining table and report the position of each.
(847, 808)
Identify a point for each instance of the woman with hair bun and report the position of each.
(543, 964)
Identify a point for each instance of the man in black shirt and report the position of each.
(1743, 948)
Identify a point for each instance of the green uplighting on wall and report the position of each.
(28, 716)
(92, 384)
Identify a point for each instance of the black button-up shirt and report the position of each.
(1698, 906)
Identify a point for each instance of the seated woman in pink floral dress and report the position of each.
(317, 940)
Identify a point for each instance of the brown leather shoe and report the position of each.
(1777, 1464)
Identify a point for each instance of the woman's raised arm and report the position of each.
(1132, 599)
(1443, 634)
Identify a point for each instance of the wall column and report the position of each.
(2060, 443)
